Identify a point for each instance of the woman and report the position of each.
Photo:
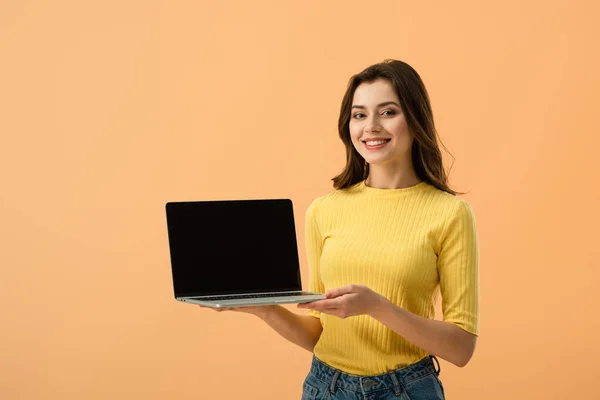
(379, 246)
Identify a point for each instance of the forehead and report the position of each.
(374, 92)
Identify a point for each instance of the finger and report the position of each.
(313, 304)
(211, 308)
(217, 309)
(324, 307)
(335, 307)
(332, 293)
(308, 305)
(330, 303)
(330, 311)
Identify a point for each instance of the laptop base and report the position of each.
(256, 300)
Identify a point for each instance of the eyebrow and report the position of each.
(380, 105)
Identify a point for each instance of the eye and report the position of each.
(357, 114)
(391, 112)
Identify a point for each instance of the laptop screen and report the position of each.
(233, 246)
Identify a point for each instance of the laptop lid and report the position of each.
(233, 246)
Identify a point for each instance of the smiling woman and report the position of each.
(382, 269)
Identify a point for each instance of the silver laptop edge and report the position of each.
(252, 301)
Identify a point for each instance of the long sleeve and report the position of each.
(458, 266)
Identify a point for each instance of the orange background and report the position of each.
(110, 109)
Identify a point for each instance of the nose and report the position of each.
(372, 125)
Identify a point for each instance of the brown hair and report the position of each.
(414, 100)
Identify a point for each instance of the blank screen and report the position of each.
(232, 246)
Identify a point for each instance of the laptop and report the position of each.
(235, 253)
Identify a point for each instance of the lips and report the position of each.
(380, 145)
(376, 140)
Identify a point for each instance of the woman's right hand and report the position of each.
(254, 310)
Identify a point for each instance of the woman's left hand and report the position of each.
(348, 301)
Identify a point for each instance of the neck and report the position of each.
(396, 180)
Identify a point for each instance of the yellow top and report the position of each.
(407, 244)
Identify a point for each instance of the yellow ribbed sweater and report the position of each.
(410, 245)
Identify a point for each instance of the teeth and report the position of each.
(375, 143)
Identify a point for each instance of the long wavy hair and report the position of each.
(414, 100)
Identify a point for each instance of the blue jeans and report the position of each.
(418, 381)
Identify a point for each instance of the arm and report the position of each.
(302, 330)
(458, 267)
(444, 339)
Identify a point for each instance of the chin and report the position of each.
(378, 160)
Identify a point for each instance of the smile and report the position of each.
(376, 144)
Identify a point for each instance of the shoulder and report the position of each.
(331, 201)
(333, 198)
(318, 203)
(457, 215)
(444, 200)
(448, 210)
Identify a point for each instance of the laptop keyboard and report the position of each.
(253, 296)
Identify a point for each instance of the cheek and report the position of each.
(402, 126)
(352, 128)
(354, 133)
(398, 128)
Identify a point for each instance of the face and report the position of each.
(376, 114)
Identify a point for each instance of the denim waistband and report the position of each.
(391, 380)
